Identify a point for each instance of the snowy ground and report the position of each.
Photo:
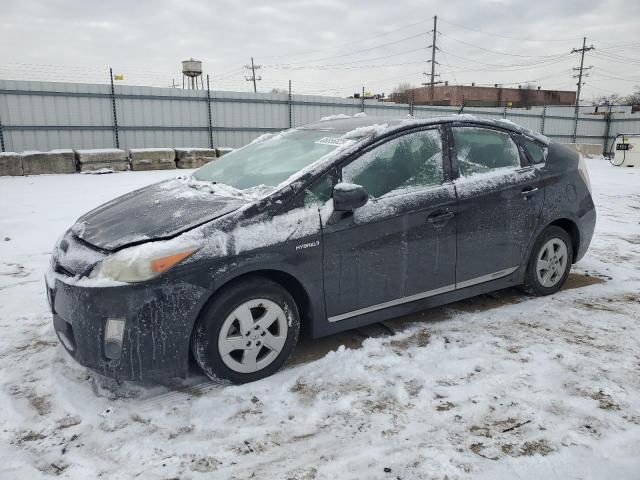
(499, 386)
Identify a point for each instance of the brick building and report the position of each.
(488, 96)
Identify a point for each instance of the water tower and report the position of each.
(191, 71)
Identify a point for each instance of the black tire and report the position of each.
(532, 284)
(204, 340)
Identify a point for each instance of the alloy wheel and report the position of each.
(552, 262)
(253, 335)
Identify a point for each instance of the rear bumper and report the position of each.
(586, 226)
(158, 321)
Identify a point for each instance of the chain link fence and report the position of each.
(43, 116)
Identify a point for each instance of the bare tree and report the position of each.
(615, 99)
(402, 93)
(280, 90)
(611, 99)
(633, 98)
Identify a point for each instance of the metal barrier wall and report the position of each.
(50, 115)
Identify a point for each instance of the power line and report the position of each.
(451, 71)
(637, 80)
(285, 66)
(495, 51)
(492, 66)
(351, 42)
(351, 53)
(531, 80)
(633, 45)
(510, 37)
(617, 58)
(228, 73)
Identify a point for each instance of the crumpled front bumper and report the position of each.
(159, 317)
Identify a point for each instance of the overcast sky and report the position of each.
(328, 47)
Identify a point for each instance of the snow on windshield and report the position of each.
(269, 160)
(273, 161)
(222, 190)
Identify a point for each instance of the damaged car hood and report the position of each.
(158, 211)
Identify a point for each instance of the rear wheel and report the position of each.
(550, 262)
(247, 333)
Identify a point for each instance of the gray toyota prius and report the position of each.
(315, 230)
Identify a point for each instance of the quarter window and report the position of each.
(319, 192)
(537, 153)
(481, 150)
(407, 162)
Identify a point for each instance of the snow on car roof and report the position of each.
(342, 124)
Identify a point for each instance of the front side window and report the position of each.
(480, 150)
(537, 153)
(410, 161)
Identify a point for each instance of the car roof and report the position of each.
(342, 124)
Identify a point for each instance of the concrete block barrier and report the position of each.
(586, 149)
(54, 161)
(194, 157)
(572, 146)
(591, 149)
(101, 159)
(223, 151)
(10, 164)
(152, 158)
(104, 167)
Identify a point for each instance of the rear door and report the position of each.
(500, 198)
(400, 246)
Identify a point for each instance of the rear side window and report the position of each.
(536, 152)
(407, 162)
(481, 150)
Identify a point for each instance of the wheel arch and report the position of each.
(285, 279)
(571, 228)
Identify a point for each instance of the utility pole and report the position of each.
(1, 138)
(115, 113)
(433, 74)
(581, 69)
(290, 106)
(209, 114)
(253, 77)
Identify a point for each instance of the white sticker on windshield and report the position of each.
(337, 141)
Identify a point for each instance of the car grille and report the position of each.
(61, 270)
(74, 257)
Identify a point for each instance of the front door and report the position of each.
(400, 246)
(499, 202)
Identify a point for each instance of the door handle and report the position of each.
(528, 192)
(440, 217)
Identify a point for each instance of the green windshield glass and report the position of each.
(270, 162)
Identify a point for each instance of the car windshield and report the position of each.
(269, 162)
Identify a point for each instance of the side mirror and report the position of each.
(348, 196)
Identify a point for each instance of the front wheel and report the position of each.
(550, 262)
(247, 333)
